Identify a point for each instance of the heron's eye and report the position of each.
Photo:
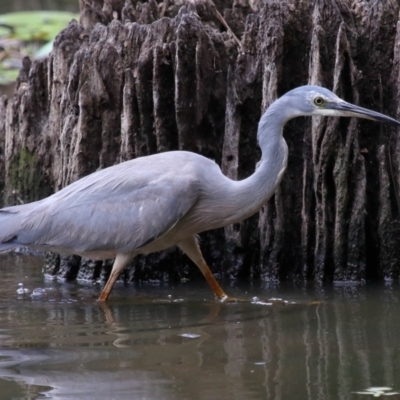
(319, 101)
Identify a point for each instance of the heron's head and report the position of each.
(315, 100)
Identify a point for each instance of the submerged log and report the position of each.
(135, 78)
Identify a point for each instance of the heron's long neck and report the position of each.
(251, 193)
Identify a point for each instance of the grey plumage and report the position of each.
(155, 202)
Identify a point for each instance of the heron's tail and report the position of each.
(4, 247)
(10, 224)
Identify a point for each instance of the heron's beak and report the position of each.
(350, 110)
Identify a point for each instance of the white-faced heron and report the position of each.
(155, 202)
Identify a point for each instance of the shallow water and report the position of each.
(164, 342)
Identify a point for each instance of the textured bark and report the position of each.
(138, 78)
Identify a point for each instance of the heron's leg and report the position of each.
(120, 262)
(191, 248)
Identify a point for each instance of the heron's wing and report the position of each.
(111, 210)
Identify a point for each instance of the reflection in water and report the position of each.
(144, 344)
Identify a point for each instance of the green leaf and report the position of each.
(8, 75)
(34, 25)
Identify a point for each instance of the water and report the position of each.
(163, 342)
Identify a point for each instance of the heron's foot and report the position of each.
(229, 299)
(102, 299)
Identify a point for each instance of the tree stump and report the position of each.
(135, 78)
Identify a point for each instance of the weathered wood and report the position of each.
(138, 78)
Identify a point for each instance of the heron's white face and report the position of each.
(322, 104)
(316, 100)
(331, 105)
(312, 100)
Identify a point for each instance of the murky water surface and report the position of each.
(164, 342)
